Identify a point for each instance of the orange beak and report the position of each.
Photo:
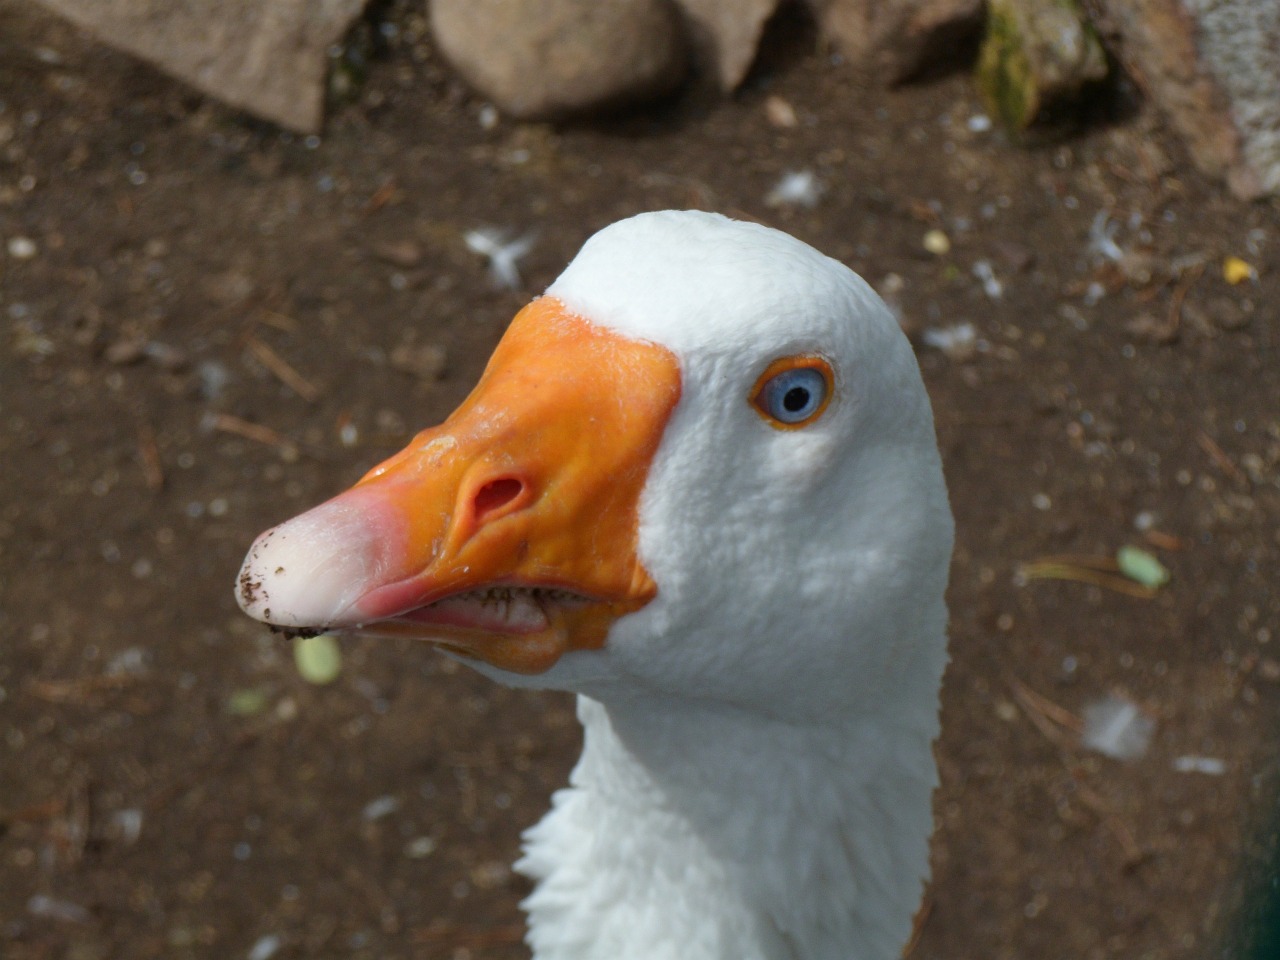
(508, 533)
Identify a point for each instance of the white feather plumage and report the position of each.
(757, 775)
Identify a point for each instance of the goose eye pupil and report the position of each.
(794, 395)
(795, 400)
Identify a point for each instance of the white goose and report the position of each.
(698, 485)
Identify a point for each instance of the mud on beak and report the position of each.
(507, 534)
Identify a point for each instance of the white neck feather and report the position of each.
(694, 831)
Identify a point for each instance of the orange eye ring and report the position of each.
(793, 392)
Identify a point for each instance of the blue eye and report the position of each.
(795, 394)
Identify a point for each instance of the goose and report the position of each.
(698, 485)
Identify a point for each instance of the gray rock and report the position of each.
(1037, 53)
(269, 57)
(727, 34)
(1213, 67)
(558, 58)
(898, 39)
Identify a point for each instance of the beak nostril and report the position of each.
(495, 495)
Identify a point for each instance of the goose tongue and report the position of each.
(509, 532)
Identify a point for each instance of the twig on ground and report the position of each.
(1220, 458)
(286, 374)
(149, 457)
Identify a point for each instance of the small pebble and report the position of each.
(381, 807)
(51, 908)
(419, 848)
(1234, 270)
(22, 248)
(937, 243)
(1211, 766)
(990, 283)
(266, 948)
(779, 112)
(127, 825)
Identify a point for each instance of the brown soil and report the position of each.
(186, 259)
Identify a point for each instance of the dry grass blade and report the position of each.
(1180, 294)
(227, 423)
(1041, 704)
(384, 195)
(1054, 568)
(1133, 852)
(1063, 728)
(1086, 560)
(1164, 541)
(149, 457)
(274, 318)
(290, 377)
(34, 813)
(78, 690)
(1219, 457)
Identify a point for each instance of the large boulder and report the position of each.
(1036, 54)
(269, 57)
(899, 39)
(726, 34)
(1213, 67)
(559, 58)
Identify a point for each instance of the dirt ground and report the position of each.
(208, 326)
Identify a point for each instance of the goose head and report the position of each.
(702, 464)
(698, 474)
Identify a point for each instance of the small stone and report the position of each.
(559, 58)
(22, 248)
(489, 875)
(229, 288)
(124, 352)
(1226, 313)
(1016, 255)
(166, 356)
(426, 361)
(401, 253)
(779, 112)
(1235, 270)
(1153, 329)
(420, 848)
(937, 243)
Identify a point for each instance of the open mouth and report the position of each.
(501, 609)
